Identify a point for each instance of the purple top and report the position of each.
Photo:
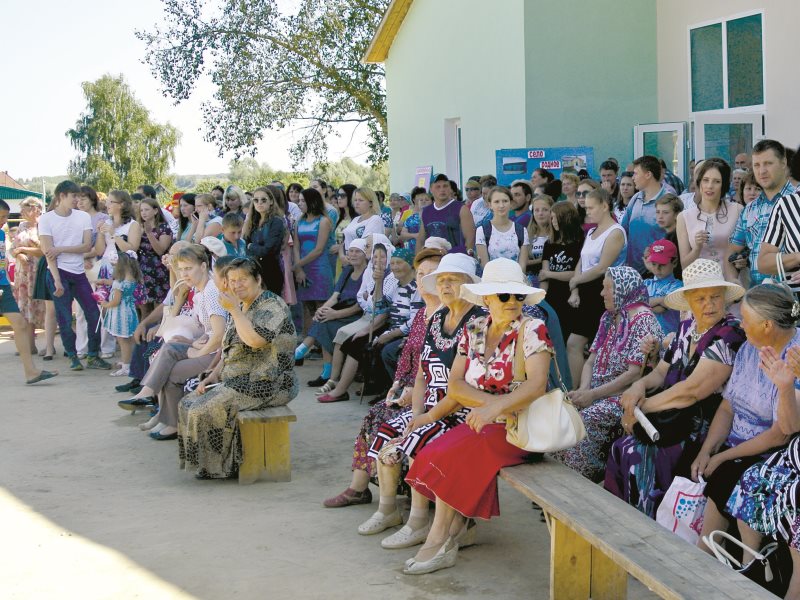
(445, 223)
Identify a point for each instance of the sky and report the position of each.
(51, 46)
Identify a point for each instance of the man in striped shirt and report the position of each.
(782, 233)
(769, 168)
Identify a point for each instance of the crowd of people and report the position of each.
(651, 297)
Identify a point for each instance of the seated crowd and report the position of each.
(650, 299)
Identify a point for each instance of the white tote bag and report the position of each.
(681, 510)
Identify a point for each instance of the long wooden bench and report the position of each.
(265, 444)
(596, 540)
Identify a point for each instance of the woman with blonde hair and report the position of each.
(25, 248)
(208, 222)
(367, 221)
(540, 230)
(569, 188)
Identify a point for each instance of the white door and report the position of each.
(727, 135)
(664, 140)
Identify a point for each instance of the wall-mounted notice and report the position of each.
(520, 163)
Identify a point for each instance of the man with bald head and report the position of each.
(743, 161)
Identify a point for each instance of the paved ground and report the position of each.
(92, 508)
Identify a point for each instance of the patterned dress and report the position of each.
(25, 275)
(436, 359)
(412, 224)
(616, 347)
(319, 274)
(640, 473)
(461, 466)
(122, 319)
(155, 276)
(208, 436)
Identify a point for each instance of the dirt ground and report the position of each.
(90, 507)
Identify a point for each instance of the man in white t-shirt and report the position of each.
(66, 235)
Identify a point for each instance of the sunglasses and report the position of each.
(473, 189)
(340, 195)
(582, 194)
(507, 297)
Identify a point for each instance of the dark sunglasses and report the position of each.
(507, 297)
(473, 189)
(582, 194)
(340, 195)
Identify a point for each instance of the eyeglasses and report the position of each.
(340, 195)
(507, 297)
(473, 189)
(582, 194)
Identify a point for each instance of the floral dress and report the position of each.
(25, 275)
(412, 224)
(122, 319)
(155, 276)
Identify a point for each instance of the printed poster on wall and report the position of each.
(520, 163)
(422, 177)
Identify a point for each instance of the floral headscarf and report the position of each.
(629, 293)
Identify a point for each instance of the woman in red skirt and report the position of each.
(459, 470)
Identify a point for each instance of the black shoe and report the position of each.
(136, 403)
(318, 382)
(128, 387)
(298, 362)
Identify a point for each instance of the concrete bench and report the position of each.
(596, 540)
(265, 444)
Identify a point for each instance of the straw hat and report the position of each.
(703, 273)
(451, 263)
(501, 276)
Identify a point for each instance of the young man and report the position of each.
(10, 310)
(769, 169)
(447, 218)
(66, 235)
(639, 221)
(608, 178)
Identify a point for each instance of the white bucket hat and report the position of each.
(215, 246)
(501, 276)
(451, 263)
(703, 273)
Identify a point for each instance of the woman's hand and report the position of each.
(228, 301)
(700, 238)
(480, 416)
(361, 332)
(300, 276)
(649, 346)
(631, 398)
(543, 275)
(574, 299)
(793, 360)
(384, 338)
(582, 398)
(416, 423)
(779, 372)
(700, 465)
(325, 313)
(212, 378)
(334, 249)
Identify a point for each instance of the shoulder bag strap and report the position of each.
(519, 352)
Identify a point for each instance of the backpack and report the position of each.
(519, 229)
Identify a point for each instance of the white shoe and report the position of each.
(147, 426)
(158, 427)
(406, 537)
(327, 388)
(121, 372)
(443, 559)
(380, 522)
(468, 534)
(107, 355)
(83, 355)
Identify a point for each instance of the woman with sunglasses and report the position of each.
(347, 212)
(256, 371)
(264, 232)
(584, 187)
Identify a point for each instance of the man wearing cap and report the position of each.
(660, 258)
(447, 218)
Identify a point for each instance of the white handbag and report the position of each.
(548, 424)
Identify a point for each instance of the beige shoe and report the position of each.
(327, 388)
(444, 559)
(380, 522)
(406, 537)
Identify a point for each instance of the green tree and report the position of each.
(119, 145)
(274, 70)
(349, 171)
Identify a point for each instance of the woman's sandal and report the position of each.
(327, 388)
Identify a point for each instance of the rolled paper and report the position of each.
(651, 431)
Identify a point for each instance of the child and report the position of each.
(660, 258)
(121, 318)
(668, 207)
(231, 235)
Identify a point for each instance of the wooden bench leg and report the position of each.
(570, 563)
(609, 580)
(278, 463)
(253, 452)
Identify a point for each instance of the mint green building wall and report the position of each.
(440, 66)
(590, 73)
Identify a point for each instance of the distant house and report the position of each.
(678, 78)
(13, 191)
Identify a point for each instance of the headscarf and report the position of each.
(367, 281)
(404, 254)
(629, 293)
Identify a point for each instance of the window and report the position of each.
(727, 64)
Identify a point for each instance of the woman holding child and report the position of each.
(681, 394)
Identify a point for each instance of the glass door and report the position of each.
(664, 140)
(727, 135)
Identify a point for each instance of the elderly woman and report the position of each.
(682, 393)
(615, 362)
(256, 371)
(340, 309)
(399, 396)
(445, 329)
(459, 470)
(177, 361)
(749, 422)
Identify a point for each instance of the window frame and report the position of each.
(726, 109)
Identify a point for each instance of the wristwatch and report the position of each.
(470, 252)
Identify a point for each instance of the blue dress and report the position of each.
(319, 274)
(122, 320)
(412, 224)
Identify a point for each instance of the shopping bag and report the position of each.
(681, 510)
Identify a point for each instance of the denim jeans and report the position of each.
(76, 287)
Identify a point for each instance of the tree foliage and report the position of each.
(272, 70)
(119, 145)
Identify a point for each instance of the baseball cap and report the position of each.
(439, 177)
(661, 252)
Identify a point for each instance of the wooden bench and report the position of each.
(596, 540)
(265, 444)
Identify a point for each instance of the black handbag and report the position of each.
(675, 425)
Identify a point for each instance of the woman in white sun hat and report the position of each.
(682, 393)
(459, 470)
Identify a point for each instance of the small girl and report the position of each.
(121, 318)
